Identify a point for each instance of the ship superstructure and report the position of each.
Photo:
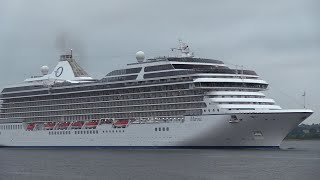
(181, 101)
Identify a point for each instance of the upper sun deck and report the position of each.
(68, 73)
(179, 59)
(170, 66)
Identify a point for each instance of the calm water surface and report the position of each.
(295, 160)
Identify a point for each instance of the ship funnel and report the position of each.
(67, 69)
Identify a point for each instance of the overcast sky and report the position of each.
(280, 40)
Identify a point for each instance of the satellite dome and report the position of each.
(140, 56)
(44, 70)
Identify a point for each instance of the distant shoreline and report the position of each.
(301, 139)
(305, 132)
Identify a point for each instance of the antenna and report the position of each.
(304, 99)
(236, 70)
(183, 49)
(71, 52)
(241, 71)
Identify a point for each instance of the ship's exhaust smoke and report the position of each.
(65, 42)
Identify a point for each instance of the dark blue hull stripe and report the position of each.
(152, 147)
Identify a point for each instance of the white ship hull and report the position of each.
(260, 129)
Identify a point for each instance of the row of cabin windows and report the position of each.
(161, 129)
(234, 76)
(171, 107)
(120, 78)
(130, 105)
(50, 93)
(87, 132)
(113, 131)
(231, 85)
(234, 96)
(84, 132)
(213, 110)
(99, 86)
(166, 74)
(121, 85)
(106, 104)
(59, 132)
(10, 127)
(118, 115)
(261, 103)
(98, 98)
(197, 69)
(158, 68)
(124, 71)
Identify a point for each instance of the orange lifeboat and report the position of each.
(63, 125)
(49, 125)
(30, 126)
(77, 124)
(121, 123)
(92, 124)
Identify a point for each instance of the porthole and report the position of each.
(167, 128)
(155, 129)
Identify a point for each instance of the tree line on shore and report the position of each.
(305, 131)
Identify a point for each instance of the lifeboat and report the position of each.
(49, 125)
(30, 126)
(63, 125)
(77, 125)
(92, 124)
(121, 123)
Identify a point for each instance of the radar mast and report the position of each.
(183, 49)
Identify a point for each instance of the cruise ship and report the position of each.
(179, 101)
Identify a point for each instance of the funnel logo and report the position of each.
(59, 71)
